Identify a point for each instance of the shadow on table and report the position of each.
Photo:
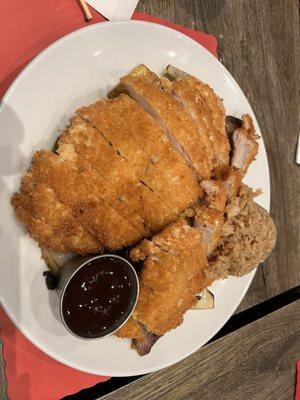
(102, 388)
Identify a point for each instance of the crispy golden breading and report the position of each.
(207, 110)
(142, 128)
(51, 222)
(185, 96)
(168, 178)
(103, 118)
(161, 177)
(89, 150)
(132, 329)
(177, 125)
(171, 277)
(148, 136)
(87, 197)
(157, 311)
(90, 177)
(155, 211)
(105, 224)
(140, 205)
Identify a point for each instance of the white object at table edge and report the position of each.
(115, 10)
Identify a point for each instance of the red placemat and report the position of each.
(27, 28)
(297, 392)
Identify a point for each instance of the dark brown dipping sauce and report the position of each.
(99, 297)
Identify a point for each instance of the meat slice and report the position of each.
(171, 277)
(83, 147)
(101, 116)
(209, 222)
(209, 217)
(245, 146)
(231, 179)
(155, 211)
(51, 222)
(215, 194)
(146, 133)
(151, 139)
(127, 164)
(89, 199)
(168, 113)
(168, 184)
(205, 108)
(167, 167)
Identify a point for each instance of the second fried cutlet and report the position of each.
(171, 277)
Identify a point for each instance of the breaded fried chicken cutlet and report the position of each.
(172, 275)
(154, 170)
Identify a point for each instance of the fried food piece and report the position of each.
(86, 148)
(51, 222)
(145, 87)
(206, 109)
(166, 178)
(209, 222)
(101, 116)
(171, 277)
(245, 146)
(89, 200)
(215, 194)
(209, 217)
(142, 128)
(130, 197)
(231, 179)
(148, 136)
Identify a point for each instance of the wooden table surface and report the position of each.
(256, 362)
(259, 43)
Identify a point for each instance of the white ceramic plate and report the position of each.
(75, 71)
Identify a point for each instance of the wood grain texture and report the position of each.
(259, 44)
(256, 362)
